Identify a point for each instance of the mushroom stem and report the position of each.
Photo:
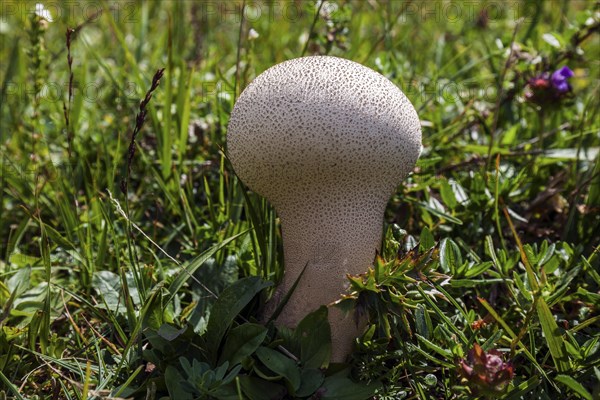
(343, 245)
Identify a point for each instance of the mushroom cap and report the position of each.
(326, 127)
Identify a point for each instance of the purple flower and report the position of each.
(486, 372)
(559, 79)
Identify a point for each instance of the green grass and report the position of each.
(134, 265)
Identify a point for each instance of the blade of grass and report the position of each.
(190, 267)
(129, 380)
(554, 339)
(450, 325)
(512, 335)
(287, 296)
(497, 203)
(447, 354)
(164, 139)
(135, 332)
(12, 388)
(575, 386)
(531, 277)
(430, 357)
(312, 27)
(44, 328)
(86, 381)
(183, 108)
(523, 388)
(130, 60)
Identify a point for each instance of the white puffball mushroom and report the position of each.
(326, 141)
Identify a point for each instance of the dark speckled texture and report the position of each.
(326, 141)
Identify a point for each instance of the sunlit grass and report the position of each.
(116, 247)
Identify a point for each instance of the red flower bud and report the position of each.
(485, 373)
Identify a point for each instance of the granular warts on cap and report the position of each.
(326, 141)
(322, 119)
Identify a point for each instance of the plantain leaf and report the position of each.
(341, 388)
(241, 342)
(259, 389)
(311, 380)
(230, 303)
(314, 335)
(280, 364)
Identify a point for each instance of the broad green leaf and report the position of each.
(231, 375)
(423, 321)
(551, 264)
(450, 258)
(169, 332)
(314, 335)
(241, 342)
(448, 195)
(440, 213)
(259, 389)
(426, 240)
(230, 303)
(551, 39)
(342, 388)
(459, 192)
(575, 386)
(280, 364)
(477, 269)
(532, 256)
(546, 251)
(573, 351)
(225, 392)
(110, 286)
(23, 260)
(173, 381)
(20, 281)
(154, 317)
(489, 246)
(552, 335)
(311, 380)
(521, 286)
(510, 135)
